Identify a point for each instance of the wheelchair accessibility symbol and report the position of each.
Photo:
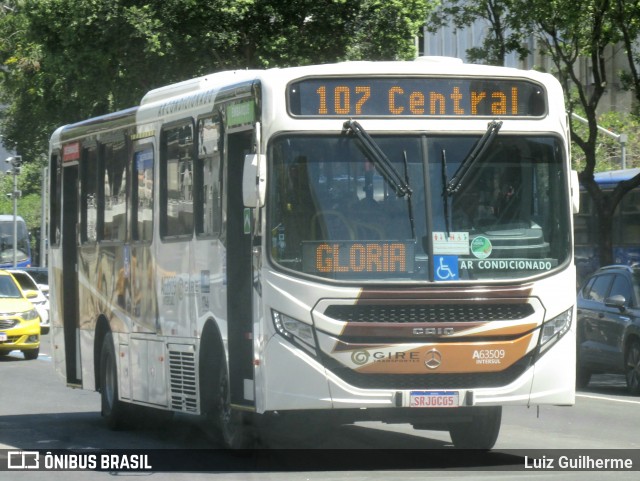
(445, 268)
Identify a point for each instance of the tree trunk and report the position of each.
(605, 235)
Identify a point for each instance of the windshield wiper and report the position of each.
(445, 196)
(379, 159)
(481, 147)
(409, 202)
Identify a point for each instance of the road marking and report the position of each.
(605, 398)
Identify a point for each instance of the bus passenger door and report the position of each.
(239, 275)
(70, 275)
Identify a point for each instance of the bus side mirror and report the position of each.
(254, 180)
(575, 192)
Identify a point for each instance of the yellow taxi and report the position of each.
(19, 320)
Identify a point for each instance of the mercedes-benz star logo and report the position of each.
(433, 359)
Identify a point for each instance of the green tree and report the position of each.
(503, 34)
(626, 17)
(65, 60)
(608, 149)
(568, 32)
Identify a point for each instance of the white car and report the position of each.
(40, 301)
(41, 276)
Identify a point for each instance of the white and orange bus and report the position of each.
(383, 241)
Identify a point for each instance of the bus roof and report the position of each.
(9, 217)
(615, 176)
(421, 66)
(190, 91)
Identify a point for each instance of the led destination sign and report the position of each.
(426, 96)
(350, 257)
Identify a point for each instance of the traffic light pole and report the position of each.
(15, 219)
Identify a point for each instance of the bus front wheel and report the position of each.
(481, 432)
(222, 424)
(235, 429)
(113, 410)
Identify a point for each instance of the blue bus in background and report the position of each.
(23, 249)
(626, 225)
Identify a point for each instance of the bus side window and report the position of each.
(89, 195)
(176, 181)
(55, 189)
(142, 202)
(115, 192)
(629, 211)
(206, 189)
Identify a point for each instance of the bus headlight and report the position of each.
(292, 329)
(554, 329)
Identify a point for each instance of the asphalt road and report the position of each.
(38, 412)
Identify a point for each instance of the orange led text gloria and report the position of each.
(361, 257)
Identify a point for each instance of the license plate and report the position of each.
(434, 399)
(3, 337)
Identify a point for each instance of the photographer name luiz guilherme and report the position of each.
(579, 462)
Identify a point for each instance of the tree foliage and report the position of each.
(626, 17)
(608, 150)
(65, 60)
(569, 33)
(503, 34)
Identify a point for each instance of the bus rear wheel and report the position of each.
(113, 410)
(479, 433)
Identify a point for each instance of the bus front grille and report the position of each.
(402, 313)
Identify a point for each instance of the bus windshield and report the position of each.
(6, 242)
(333, 215)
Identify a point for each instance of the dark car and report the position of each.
(609, 325)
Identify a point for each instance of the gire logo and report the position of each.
(360, 357)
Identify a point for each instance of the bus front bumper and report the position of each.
(295, 380)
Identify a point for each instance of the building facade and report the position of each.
(452, 42)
